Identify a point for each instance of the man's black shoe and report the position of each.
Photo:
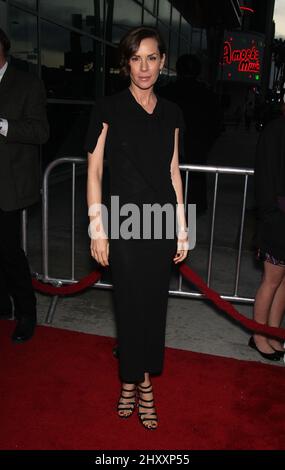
(24, 330)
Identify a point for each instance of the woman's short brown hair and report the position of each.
(130, 43)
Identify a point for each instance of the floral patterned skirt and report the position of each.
(264, 256)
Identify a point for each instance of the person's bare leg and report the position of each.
(276, 313)
(272, 277)
(148, 396)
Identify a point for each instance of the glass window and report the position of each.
(70, 63)
(196, 40)
(204, 40)
(173, 51)
(151, 5)
(127, 14)
(3, 15)
(148, 19)
(184, 47)
(84, 14)
(165, 34)
(175, 20)
(23, 36)
(164, 8)
(185, 29)
(68, 127)
(27, 3)
(113, 82)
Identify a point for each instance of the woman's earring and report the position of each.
(160, 71)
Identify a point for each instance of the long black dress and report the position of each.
(139, 148)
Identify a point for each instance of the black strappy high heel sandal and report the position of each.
(146, 416)
(128, 407)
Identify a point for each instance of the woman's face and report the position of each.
(146, 63)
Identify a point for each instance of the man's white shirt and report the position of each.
(3, 122)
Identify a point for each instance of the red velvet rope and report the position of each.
(190, 276)
(227, 307)
(71, 288)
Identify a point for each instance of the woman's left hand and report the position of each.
(182, 249)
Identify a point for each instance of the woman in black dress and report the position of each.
(270, 193)
(140, 134)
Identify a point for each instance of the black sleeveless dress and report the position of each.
(139, 148)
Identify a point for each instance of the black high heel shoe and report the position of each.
(147, 415)
(280, 353)
(270, 356)
(129, 407)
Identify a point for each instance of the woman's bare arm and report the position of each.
(177, 182)
(183, 242)
(99, 242)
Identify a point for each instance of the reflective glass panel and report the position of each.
(84, 14)
(23, 36)
(148, 19)
(164, 9)
(71, 63)
(196, 40)
(3, 15)
(150, 5)
(126, 14)
(27, 3)
(173, 50)
(175, 20)
(185, 29)
(68, 127)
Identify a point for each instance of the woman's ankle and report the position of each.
(146, 380)
(128, 385)
(260, 338)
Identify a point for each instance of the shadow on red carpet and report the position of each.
(60, 390)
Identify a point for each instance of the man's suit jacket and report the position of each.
(22, 103)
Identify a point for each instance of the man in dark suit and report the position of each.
(23, 126)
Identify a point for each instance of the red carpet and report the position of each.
(59, 391)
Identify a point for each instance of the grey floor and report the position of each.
(192, 324)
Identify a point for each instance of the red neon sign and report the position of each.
(247, 9)
(248, 59)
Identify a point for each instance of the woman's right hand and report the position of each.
(99, 248)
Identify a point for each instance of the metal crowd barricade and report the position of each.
(217, 170)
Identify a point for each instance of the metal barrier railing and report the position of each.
(246, 172)
(217, 170)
